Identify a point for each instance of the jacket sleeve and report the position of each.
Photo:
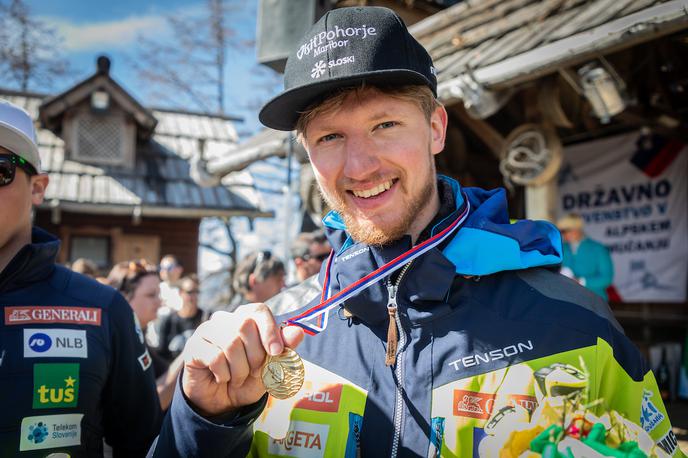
(132, 414)
(605, 270)
(627, 386)
(185, 433)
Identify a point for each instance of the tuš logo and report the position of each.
(55, 385)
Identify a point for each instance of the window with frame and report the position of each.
(95, 248)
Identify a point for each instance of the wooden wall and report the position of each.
(160, 236)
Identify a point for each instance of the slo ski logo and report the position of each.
(650, 416)
(318, 69)
(55, 385)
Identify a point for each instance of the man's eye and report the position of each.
(328, 138)
(387, 124)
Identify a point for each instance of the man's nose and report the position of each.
(361, 158)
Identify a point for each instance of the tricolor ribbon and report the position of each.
(319, 313)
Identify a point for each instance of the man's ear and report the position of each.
(251, 281)
(438, 129)
(39, 183)
(298, 262)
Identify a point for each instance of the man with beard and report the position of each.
(435, 330)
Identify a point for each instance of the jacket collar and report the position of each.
(32, 263)
(487, 243)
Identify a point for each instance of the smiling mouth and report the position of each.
(372, 192)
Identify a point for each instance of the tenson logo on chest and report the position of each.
(492, 355)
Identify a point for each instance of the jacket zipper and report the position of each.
(399, 365)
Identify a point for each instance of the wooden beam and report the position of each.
(484, 131)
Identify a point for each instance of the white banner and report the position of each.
(632, 192)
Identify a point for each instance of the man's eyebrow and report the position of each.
(377, 116)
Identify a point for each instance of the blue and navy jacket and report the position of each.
(489, 342)
(73, 365)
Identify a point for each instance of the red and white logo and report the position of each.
(480, 405)
(47, 314)
(305, 440)
(323, 400)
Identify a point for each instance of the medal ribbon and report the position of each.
(319, 313)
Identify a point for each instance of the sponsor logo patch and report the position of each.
(650, 416)
(324, 400)
(145, 360)
(55, 385)
(306, 440)
(41, 314)
(50, 431)
(55, 343)
(668, 443)
(480, 405)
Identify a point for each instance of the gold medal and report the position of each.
(283, 374)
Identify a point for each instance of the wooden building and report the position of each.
(120, 174)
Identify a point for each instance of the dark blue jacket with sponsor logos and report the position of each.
(73, 365)
(493, 348)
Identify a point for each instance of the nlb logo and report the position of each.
(322, 400)
(19, 315)
(55, 385)
(55, 343)
(481, 405)
(303, 439)
(39, 342)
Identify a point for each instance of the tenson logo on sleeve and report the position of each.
(55, 343)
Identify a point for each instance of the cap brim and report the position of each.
(19, 144)
(283, 111)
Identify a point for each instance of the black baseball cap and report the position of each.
(346, 47)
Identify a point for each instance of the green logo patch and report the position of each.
(55, 385)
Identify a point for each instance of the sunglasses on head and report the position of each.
(8, 168)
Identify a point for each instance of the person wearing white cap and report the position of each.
(73, 366)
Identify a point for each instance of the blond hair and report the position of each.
(420, 95)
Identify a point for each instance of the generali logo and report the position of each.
(480, 405)
(324, 400)
(45, 314)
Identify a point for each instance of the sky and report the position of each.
(91, 28)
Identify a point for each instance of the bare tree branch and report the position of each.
(29, 49)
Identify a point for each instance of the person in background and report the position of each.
(175, 328)
(585, 260)
(258, 277)
(308, 251)
(139, 283)
(171, 272)
(85, 267)
(69, 351)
